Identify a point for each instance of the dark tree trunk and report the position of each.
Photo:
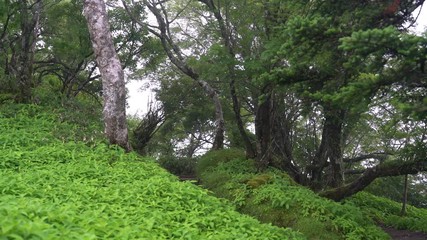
(282, 142)
(329, 153)
(30, 17)
(147, 127)
(405, 196)
(250, 151)
(263, 123)
(113, 84)
(382, 170)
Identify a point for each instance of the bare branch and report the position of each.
(381, 156)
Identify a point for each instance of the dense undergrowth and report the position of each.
(388, 212)
(59, 182)
(274, 198)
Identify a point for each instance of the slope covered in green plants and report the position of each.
(274, 197)
(388, 212)
(56, 182)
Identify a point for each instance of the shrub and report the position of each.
(179, 165)
(213, 158)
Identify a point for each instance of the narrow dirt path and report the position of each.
(397, 234)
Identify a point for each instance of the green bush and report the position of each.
(179, 165)
(273, 197)
(213, 158)
(56, 189)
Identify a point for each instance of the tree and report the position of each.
(113, 85)
(20, 33)
(67, 54)
(323, 83)
(175, 55)
(345, 76)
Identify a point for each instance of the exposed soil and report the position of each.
(397, 234)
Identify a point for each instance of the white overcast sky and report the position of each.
(139, 97)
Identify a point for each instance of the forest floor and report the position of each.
(397, 234)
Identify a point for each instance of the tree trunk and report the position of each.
(250, 151)
(227, 39)
(281, 141)
(263, 122)
(30, 18)
(113, 84)
(383, 170)
(219, 115)
(329, 153)
(405, 196)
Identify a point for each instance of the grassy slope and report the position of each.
(387, 212)
(274, 197)
(56, 182)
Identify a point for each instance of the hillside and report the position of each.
(273, 197)
(59, 180)
(59, 183)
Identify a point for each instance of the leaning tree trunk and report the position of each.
(395, 168)
(113, 84)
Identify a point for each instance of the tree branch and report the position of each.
(395, 168)
(381, 156)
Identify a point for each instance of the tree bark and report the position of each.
(113, 84)
(30, 18)
(382, 170)
(329, 152)
(281, 140)
(263, 131)
(405, 196)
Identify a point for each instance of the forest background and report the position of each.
(335, 93)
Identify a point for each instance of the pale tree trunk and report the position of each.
(113, 84)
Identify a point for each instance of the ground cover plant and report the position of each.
(274, 197)
(52, 187)
(388, 212)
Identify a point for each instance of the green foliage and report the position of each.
(275, 198)
(51, 188)
(388, 212)
(392, 188)
(259, 180)
(178, 165)
(213, 158)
